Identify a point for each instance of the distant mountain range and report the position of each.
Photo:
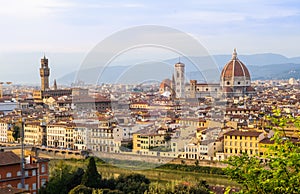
(261, 66)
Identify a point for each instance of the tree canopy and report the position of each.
(91, 177)
(278, 171)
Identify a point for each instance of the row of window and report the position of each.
(237, 151)
(240, 137)
(241, 144)
(19, 173)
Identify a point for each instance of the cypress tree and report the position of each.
(91, 177)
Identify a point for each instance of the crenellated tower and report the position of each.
(44, 73)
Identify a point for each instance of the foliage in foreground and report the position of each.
(279, 171)
(181, 188)
(69, 179)
(196, 168)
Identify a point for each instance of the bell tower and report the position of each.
(44, 73)
(179, 80)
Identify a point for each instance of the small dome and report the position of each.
(165, 83)
(234, 68)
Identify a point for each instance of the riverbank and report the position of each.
(164, 174)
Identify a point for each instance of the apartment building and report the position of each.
(236, 142)
(60, 135)
(36, 172)
(35, 133)
(4, 128)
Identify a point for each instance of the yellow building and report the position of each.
(237, 142)
(193, 122)
(264, 145)
(139, 105)
(34, 133)
(10, 138)
(147, 141)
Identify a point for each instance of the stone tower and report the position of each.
(179, 80)
(44, 73)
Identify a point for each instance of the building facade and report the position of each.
(36, 172)
(235, 78)
(179, 80)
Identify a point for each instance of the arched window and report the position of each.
(8, 174)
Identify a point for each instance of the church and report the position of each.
(235, 81)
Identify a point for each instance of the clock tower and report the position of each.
(44, 73)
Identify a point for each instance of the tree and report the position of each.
(63, 179)
(91, 177)
(16, 132)
(279, 171)
(81, 189)
(134, 183)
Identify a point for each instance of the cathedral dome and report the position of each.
(235, 73)
(234, 68)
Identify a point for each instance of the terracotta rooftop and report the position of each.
(243, 133)
(9, 158)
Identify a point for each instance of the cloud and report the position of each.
(32, 9)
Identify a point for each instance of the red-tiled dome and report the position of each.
(235, 68)
(165, 83)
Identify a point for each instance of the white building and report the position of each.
(60, 135)
(4, 127)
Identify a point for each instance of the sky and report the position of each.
(76, 26)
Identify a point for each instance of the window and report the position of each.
(26, 186)
(43, 168)
(228, 83)
(239, 83)
(19, 173)
(33, 172)
(26, 173)
(19, 185)
(33, 186)
(8, 174)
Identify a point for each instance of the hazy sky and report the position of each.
(72, 25)
(66, 30)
